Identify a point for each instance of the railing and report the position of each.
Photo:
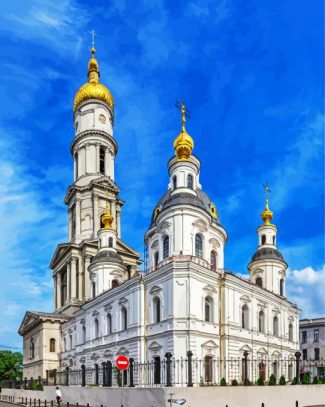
(185, 372)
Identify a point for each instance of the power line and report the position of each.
(9, 347)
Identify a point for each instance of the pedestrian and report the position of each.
(58, 395)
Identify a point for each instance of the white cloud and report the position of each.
(306, 288)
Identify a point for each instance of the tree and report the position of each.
(11, 365)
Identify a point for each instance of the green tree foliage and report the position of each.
(272, 380)
(223, 382)
(234, 382)
(260, 381)
(11, 365)
(282, 381)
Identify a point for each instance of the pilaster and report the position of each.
(58, 290)
(86, 260)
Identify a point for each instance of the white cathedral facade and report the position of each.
(185, 300)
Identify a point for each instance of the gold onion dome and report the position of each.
(107, 219)
(183, 144)
(93, 89)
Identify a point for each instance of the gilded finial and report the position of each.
(93, 72)
(267, 214)
(183, 143)
(107, 218)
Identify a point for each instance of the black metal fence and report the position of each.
(185, 372)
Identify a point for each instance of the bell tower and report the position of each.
(267, 267)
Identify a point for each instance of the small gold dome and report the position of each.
(183, 144)
(107, 219)
(93, 89)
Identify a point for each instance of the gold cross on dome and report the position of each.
(92, 32)
(267, 191)
(185, 112)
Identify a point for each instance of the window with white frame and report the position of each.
(96, 328)
(208, 309)
(261, 321)
(244, 316)
(198, 245)
(124, 319)
(166, 247)
(276, 326)
(109, 323)
(156, 309)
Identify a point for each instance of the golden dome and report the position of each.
(183, 144)
(107, 219)
(93, 89)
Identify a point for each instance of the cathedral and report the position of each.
(184, 299)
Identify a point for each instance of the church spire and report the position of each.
(183, 143)
(267, 214)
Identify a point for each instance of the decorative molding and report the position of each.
(163, 226)
(200, 225)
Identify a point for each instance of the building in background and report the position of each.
(185, 300)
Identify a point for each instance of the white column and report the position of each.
(111, 165)
(68, 281)
(95, 215)
(58, 290)
(118, 221)
(70, 224)
(87, 276)
(55, 292)
(77, 217)
(113, 212)
(80, 282)
(73, 276)
(75, 175)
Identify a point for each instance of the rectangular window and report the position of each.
(316, 353)
(304, 336)
(316, 335)
(304, 354)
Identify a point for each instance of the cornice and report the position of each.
(91, 133)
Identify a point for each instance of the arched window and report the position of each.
(96, 328)
(290, 332)
(83, 334)
(77, 164)
(261, 320)
(281, 286)
(156, 259)
(102, 160)
(93, 287)
(276, 326)
(64, 344)
(129, 270)
(70, 342)
(114, 283)
(263, 239)
(190, 181)
(109, 324)
(52, 345)
(198, 246)
(259, 282)
(208, 309)
(156, 309)
(110, 242)
(166, 247)
(244, 316)
(213, 260)
(124, 319)
(174, 182)
(273, 239)
(31, 349)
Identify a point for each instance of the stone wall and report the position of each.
(279, 396)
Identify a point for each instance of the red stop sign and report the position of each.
(122, 362)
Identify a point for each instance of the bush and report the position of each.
(223, 382)
(294, 381)
(260, 381)
(282, 381)
(315, 380)
(272, 380)
(234, 382)
(306, 378)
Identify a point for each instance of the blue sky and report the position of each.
(251, 73)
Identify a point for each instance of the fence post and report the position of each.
(168, 356)
(25, 385)
(39, 383)
(54, 379)
(131, 372)
(47, 377)
(189, 369)
(67, 376)
(297, 355)
(245, 368)
(96, 375)
(83, 375)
